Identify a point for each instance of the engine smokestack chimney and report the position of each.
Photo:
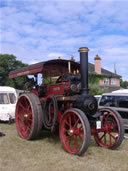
(84, 69)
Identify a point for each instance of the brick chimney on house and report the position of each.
(97, 64)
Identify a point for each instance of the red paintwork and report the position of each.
(35, 92)
(59, 116)
(58, 89)
(24, 124)
(106, 136)
(72, 132)
(26, 72)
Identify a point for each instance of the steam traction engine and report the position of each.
(67, 106)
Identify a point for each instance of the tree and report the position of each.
(123, 84)
(94, 88)
(7, 64)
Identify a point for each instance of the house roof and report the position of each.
(91, 68)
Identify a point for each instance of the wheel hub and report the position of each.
(25, 115)
(70, 132)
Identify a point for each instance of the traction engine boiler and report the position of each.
(65, 105)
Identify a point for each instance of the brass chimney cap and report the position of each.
(83, 49)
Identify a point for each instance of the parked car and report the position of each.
(97, 97)
(120, 91)
(8, 98)
(118, 102)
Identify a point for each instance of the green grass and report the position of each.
(47, 154)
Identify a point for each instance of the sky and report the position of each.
(40, 30)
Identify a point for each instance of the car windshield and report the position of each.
(4, 98)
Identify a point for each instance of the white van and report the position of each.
(8, 98)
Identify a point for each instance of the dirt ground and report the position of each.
(47, 154)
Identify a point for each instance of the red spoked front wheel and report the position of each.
(112, 130)
(28, 116)
(75, 131)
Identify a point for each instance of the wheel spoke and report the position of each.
(76, 143)
(114, 131)
(106, 118)
(29, 110)
(29, 119)
(74, 118)
(20, 118)
(112, 120)
(81, 138)
(102, 136)
(23, 127)
(26, 132)
(81, 127)
(76, 123)
(26, 102)
(29, 123)
(68, 140)
(23, 108)
(69, 119)
(114, 125)
(112, 136)
(67, 123)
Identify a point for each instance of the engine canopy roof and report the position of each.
(51, 68)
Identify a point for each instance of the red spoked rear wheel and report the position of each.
(75, 131)
(112, 130)
(28, 116)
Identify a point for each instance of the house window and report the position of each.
(113, 81)
(106, 81)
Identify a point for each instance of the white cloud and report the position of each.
(55, 55)
(41, 30)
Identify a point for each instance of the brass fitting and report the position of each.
(83, 49)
